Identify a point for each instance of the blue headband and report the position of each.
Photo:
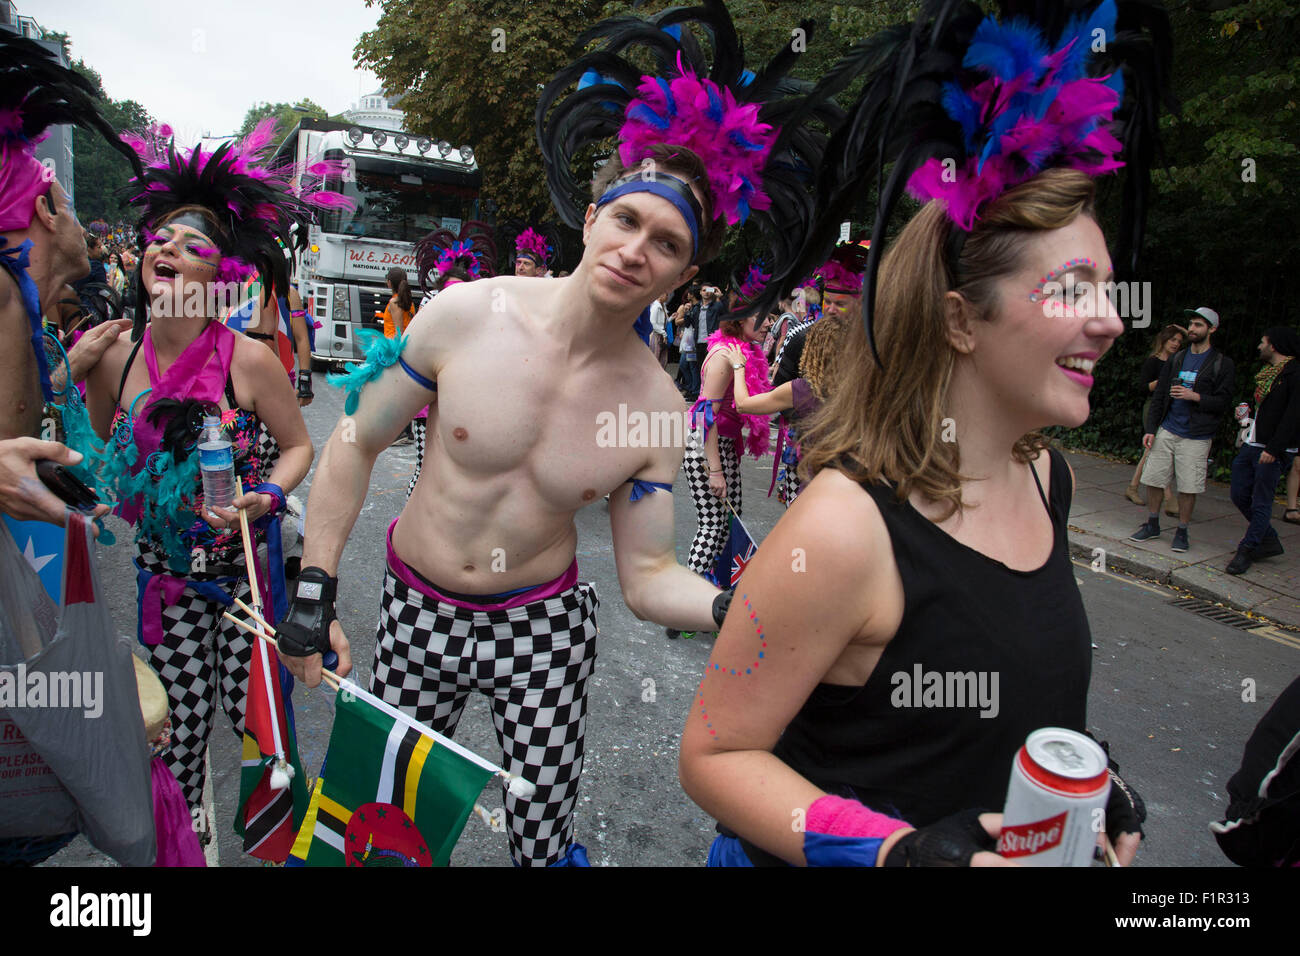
(667, 187)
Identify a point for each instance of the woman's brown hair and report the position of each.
(888, 423)
(1167, 333)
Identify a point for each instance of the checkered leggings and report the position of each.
(201, 656)
(419, 428)
(533, 663)
(713, 515)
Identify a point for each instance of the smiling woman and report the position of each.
(936, 517)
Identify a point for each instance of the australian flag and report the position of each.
(735, 557)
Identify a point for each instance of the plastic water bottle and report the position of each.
(217, 464)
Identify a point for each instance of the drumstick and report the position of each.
(250, 554)
(1111, 858)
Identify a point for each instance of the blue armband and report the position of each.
(641, 488)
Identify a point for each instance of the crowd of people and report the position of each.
(868, 349)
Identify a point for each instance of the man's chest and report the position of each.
(503, 414)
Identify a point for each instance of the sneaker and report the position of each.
(1150, 529)
(1134, 496)
(1180, 540)
(672, 634)
(1240, 563)
(1268, 548)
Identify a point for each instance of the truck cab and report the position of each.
(404, 186)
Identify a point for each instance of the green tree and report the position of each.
(1221, 231)
(286, 115)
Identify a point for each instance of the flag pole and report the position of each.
(283, 772)
(517, 784)
(727, 501)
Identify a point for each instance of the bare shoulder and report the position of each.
(107, 372)
(252, 360)
(835, 533)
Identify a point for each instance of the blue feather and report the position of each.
(1081, 28)
(746, 77)
(643, 112)
(1005, 50)
(964, 110)
(668, 95)
(716, 112)
(674, 30)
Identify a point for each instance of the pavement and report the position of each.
(1101, 519)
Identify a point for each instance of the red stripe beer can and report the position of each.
(1056, 800)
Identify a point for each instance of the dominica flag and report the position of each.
(269, 813)
(740, 550)
(392, 792)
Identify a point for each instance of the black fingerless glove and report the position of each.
(1126, 811)
(305, 629)
(950, 842)
(304, 383)
(720, 605)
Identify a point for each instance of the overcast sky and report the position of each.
(200, 66)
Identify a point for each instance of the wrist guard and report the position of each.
(950, 842)
(720, 604)
(304, 383)
(306, 627)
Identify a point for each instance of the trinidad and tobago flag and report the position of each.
(739, 551)
(268, 817)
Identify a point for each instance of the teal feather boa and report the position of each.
(380, 353)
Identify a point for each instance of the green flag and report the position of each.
(392, 792)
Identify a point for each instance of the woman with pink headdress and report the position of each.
(207, 218)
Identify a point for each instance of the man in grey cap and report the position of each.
(1194, 391)
(1270, 443)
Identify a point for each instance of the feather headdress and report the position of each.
(966, 106)
(533, 244)
(751, 130)
(751, 287)
(256, 205)
(442, 251)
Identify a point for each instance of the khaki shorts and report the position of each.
(1178, 460)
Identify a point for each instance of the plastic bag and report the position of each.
(70, 722)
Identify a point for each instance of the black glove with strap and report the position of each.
(304, 383)
(305, 629)
(720, 604)
(950, 842)
(1126, 811)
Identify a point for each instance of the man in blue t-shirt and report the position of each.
(1189, 402)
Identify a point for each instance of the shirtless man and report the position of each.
(523, 370)
(57, 256)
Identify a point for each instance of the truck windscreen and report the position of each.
(397, 200)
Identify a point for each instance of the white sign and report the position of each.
(844, 230)
(364, 261)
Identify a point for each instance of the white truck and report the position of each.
(404, 187)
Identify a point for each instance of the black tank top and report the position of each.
(964, 614)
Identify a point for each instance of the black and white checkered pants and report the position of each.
(202, 656)
(714, 517)
(533, 663)
(419, 428)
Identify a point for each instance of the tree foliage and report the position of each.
(286, 115)
(100, 173)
